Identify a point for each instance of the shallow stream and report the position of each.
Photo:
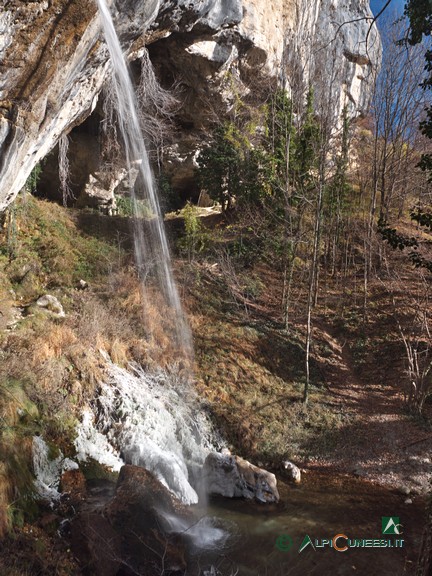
(321, 508)
(265, 540)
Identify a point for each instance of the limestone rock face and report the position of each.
(53, 62)
(352, 56)
(52, 68)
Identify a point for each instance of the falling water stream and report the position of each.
(150, 420)
(150, 242)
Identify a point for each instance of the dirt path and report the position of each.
(381, 443)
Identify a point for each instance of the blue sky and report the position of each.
(397, 5)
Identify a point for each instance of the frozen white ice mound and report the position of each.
(90, 443)
(149, 420)
(48, 469)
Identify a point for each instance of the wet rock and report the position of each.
(95, 544)
(73, 483)
(135, 512)
(235, 477)
(291, 471)
(52, 304)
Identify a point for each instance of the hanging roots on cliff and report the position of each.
(63, 163)
(157, 106)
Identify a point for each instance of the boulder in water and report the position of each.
(136, 513)
(235, 477)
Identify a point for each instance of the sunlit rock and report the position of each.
(291, 471)
(233, 477)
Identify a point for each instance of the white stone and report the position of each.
(234, 477)
(52, 304)
(292, 471)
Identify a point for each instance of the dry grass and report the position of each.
(17, 415)
(53, 343)
(6, 494)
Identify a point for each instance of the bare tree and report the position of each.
(388, 158)
(412, 314)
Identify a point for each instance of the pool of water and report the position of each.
(265, 540)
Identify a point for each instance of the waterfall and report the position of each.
(149, 420)
(150, 242)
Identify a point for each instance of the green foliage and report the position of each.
(419, 13)
(338, 192)
(339, 187)
(129, 207)
(219, 165)
(48, 252)
(195, 238)
(33, 179)
(264, 170)
(279, 143)
(92, 470)
(307, 138)
(401, 242)
(169, 199)
(396, 240)
(290, 158)
(423, 218)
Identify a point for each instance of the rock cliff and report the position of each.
(53, 62)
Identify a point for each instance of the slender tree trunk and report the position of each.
(313, 280)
